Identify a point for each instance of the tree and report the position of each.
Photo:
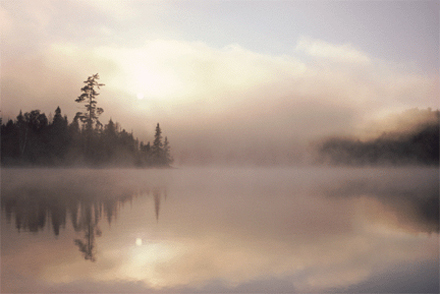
(35, 149)
(75, 143)
(88, 96)
(36, 120)
(109, 140)
(58, 136)
(90, 117)
(168, 159)
(10, 144)
(22, 133)
(157, 148)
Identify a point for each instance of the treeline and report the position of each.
(32, 139)
(419, 146)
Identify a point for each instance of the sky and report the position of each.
(224, 78)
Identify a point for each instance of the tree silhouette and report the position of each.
(36, 137)
(168, 159)
(90, 117)
(157, 148)
(22, 133)
(58, 136)
(10, 144)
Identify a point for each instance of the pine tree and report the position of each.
(157, 148)
(90, 117)
(168, 159)
(23, 133)
(58, 135)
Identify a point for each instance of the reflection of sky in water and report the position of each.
(220, 230)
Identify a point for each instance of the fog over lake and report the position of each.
(219, 146)
(220, 230)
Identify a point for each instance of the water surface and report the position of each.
(220, 230)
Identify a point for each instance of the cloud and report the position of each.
(331, 52)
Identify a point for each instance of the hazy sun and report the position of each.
(154, 83)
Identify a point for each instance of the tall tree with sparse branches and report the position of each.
(90, 116)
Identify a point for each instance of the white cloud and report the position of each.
(332, 52)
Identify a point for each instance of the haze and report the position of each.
(224, 78)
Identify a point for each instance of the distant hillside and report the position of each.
(415, 145)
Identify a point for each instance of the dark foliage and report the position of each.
(90, 117)
(32, 140)
(419, 146)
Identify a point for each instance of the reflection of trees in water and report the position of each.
(35, 208)
(90, 215)
(32, 208)
(156, 195)
(412, 203)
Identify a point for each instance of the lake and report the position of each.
(204, 230)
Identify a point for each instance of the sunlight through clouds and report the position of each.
(170, 70)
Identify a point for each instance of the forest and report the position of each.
(33, 139)
(417, 146)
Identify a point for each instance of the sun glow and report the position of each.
(152, 84)
(152, 81)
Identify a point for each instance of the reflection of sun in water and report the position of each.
(138, 241)
(140, 96)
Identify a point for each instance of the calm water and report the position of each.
(220, 230)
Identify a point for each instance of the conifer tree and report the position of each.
(58, 135)
(90, 117)
(168, 159)
(157, 148)
(22, 133)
